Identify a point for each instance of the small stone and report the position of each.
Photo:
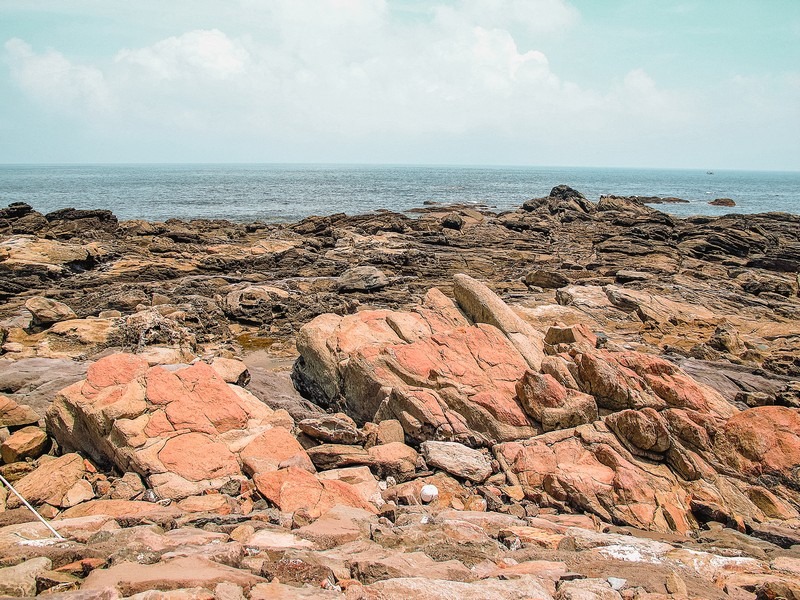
(46, 311)
(82, 491)
(362, 279)
(228, 591)
(127, 487)
(16, 415)
(232, 371)
(457, 459)
(28, 442)
(676, 585)
(335, 429)
(617, 583)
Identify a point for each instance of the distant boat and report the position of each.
(709, 172)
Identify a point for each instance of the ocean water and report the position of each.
(290, 192)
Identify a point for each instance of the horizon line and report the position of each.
(709, 170)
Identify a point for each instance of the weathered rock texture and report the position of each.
(630, 437)
(186, 431)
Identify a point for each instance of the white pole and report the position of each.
(30, 508)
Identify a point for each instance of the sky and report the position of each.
(707, 84)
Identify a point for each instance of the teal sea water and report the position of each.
(290, 192)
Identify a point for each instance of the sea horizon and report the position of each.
(291, 191)
(389, 165)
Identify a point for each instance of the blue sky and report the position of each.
(640, 83)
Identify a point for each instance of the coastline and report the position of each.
(584, 243)
(569, 397)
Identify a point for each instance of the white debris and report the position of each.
(429, 493)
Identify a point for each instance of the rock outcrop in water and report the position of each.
(606, 399)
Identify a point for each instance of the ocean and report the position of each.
(253, 192)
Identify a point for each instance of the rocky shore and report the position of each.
(572, 400)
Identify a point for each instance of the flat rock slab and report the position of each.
(133, 578)
(417, 588)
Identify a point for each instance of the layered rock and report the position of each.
(185, 431)
(441, 377)
(629, 436)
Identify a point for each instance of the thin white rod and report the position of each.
(30, 508)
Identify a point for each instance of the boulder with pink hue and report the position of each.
(439, 376)
(624, 435)
(764, 443)
(552, 404)
(185, 431)
(292, 489)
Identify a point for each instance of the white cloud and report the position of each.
(202, 53)
(52, 79)
(349, 68)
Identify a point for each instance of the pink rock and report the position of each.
(553, 405)
(116, 369)
(762, 441)
(293, 489)
(28, 442)
(271, 449)
(196, 456)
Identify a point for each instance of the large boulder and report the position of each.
(185, 431)
(429, 369)
(763, 443)
(627, 436)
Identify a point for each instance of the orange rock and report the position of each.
(196, 456)
(271, 449)
(116, 369)
(762, 441)
(50, 482)
(216, 503)
(28, 442)
(395, 459)
(16, 415)
(292, 489)
(119, 509)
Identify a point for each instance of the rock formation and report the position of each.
(604, 399)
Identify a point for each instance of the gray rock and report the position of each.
(362, 279)
(20, 580)
(46, 311)
(458, 460)
(35, 381)
(546, 279)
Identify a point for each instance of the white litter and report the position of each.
(429, 493)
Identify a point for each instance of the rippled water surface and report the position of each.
(290, 192)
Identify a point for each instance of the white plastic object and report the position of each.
(429, 493)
